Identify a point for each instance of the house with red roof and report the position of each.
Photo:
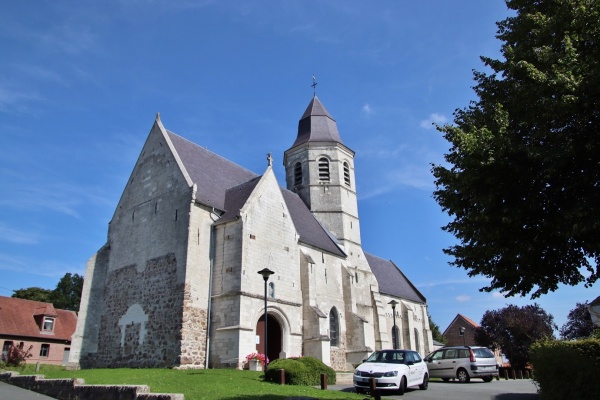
(461, 331)
(35, 324)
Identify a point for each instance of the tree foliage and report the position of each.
(579, 324)
(513, 329)
(522, 184)
(33, 293)
(435, 330)
(65, 296)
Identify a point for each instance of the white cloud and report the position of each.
(367, 110)
(434, 118)
(498, 295)
(15, 236)
(463, 298)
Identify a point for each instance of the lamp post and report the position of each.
(394, 334)
(461, 332)
(266, 273)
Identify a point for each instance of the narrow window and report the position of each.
(346, 174)
(417, 345)
(272, 289)
(333, 327)
(297, 174)
(45, 350)
(395, 337)
(323, 169)
(48, 325)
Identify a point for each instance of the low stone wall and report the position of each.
(75, 389)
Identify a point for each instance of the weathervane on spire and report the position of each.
(314, 85)
(270, 159)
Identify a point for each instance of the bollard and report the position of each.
(282, 377)
(526, 374)
(323, 381)
(374, 392)
(520, 374)
(513, 374)
(37, 366)
(506, 374)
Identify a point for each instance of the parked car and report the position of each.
(462, 363)
(393, 370)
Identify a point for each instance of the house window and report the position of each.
(45, 350)
(333, 327)
(48, 325)
(323, 169)
(6, 349)
(297, 174)
(272, 289)
(346, 174)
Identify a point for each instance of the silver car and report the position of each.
(462, 363)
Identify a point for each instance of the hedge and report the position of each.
(300, 371)
(567, 369)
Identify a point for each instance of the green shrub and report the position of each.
(567, 369)
(300, 371)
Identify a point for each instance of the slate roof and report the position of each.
(317, 125)
(212, 173)
(392, 281)
(18, 318)
(226, 186)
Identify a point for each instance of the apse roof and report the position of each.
(392, 281)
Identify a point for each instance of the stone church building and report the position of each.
(177, 283)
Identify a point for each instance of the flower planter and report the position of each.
(255, 365)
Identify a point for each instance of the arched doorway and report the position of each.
(274, 333)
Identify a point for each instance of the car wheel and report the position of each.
(402, 387)
(463, 376)
(425, 384)
(488, 378)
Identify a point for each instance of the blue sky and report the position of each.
(81, 83)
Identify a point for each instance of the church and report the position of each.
(177, 283)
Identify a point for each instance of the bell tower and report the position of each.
(320, 169)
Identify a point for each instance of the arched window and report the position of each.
(346, 174)
(333, 327)
(323, 169)
(417, 345)
(297, 174)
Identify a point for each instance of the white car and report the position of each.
(393, 370)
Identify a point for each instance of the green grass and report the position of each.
(214, 384)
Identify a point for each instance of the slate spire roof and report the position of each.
(317, 125)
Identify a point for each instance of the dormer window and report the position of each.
(323, 169)
(346, 174)
(297, 174)
(48, 325)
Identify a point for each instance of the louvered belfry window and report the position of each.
(297, 174)
(347, 174)
(323, 169)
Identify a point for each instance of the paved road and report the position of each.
(475, 390)
(11, 392)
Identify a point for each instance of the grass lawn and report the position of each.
(214, 384)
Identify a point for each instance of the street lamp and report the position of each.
(461, 332)
(266, 273)
(394, 334)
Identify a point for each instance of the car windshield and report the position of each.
(483, 353)
(388, 356)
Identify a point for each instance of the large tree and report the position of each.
(513, 329)
(65, 296)
(522, 179)
(435, 330)
(33, 293)
(579, 324)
